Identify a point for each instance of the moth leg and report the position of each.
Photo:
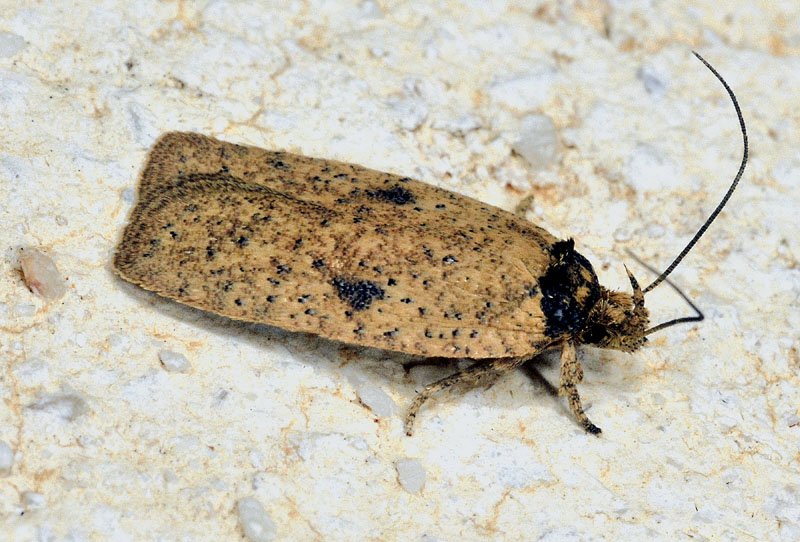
(472, 376)
(523, 206)
(571, 374)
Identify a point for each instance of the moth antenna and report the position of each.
(725, 198)
(699, 317)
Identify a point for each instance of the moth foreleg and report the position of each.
(472, 376)
(571, 375)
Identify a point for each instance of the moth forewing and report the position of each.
(334, 249)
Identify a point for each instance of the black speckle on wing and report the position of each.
(397, 195)
(357, 293)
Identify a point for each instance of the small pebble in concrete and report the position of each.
(66, 405)
(411, 474)
(537, 142)
(41, 275)
(6, 458)
(174, 362)
(376, 400)
(255, 521)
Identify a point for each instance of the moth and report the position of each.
(374, 259)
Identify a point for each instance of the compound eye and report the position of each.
(595, 334)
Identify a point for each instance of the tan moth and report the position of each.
(374, 259)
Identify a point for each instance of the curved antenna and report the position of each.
(699, 317)
(727, 196)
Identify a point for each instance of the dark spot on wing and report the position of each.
(357, 293)
(397, 195)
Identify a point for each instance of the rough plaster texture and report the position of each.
(263, 434)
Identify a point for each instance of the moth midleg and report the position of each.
(571, 375)
(472, 376)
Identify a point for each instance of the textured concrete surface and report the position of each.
(252, 431)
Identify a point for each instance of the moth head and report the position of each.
(618, 320)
